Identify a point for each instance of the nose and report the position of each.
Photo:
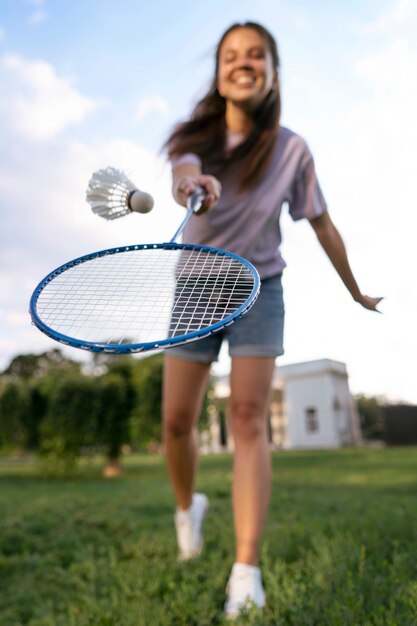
(243, 67)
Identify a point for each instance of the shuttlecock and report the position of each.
(111, 194)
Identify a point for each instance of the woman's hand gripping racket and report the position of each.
(146, 296)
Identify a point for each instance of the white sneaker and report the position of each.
(244, 590)
(189, 526)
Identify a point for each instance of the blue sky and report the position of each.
(89, 84)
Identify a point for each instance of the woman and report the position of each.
(234, 147)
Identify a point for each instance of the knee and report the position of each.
(176, 423)
(248, 419)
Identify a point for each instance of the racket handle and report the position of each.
(194, 203)
(196, 200)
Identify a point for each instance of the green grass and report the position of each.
(340, 544)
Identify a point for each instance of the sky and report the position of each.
(84, 85)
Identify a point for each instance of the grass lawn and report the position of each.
(340, 544)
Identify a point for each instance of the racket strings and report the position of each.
(210, 295)
(144, 295)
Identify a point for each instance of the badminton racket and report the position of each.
(145, 296)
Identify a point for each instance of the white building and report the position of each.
(311, 407)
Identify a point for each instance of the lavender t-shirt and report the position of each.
(247, 223)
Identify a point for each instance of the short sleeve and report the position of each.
(185, 159)
(306, 198)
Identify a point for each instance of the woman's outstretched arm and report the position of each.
(332, 243)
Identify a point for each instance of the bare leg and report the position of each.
(250, 397)
(183, 392)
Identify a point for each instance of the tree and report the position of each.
(371, 416)
(71, 422)
(29, 366)
(38, 410)
(14, 414)
(113, 418)
(146, 414)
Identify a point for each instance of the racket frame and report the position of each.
(128, 348)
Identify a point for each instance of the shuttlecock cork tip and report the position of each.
(141, 202)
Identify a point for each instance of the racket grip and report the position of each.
(196, 199)
(194, 203)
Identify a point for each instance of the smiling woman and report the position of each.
(249, 166)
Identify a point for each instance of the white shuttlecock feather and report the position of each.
(111, 194)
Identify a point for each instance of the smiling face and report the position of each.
(246, 72)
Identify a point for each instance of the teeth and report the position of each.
(245, 80)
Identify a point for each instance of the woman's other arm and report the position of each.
(332, 243)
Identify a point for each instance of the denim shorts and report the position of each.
(258, 333)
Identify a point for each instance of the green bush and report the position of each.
(371, 417)
(14, 414)
(71, 422)
(146, 414)
(113, 415)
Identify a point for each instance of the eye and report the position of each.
(229, 57)
(257, 53)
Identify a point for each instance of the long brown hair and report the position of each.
(205, 132)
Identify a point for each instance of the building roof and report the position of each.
(310, 368)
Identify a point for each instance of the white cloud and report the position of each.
(36, 102)
(6, 345)
(37, 17)
(39, 14)
(16, 319)
(151, 104)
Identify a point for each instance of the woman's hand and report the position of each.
(185, 185)
(369, 303)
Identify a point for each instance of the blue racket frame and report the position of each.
(116, 348)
